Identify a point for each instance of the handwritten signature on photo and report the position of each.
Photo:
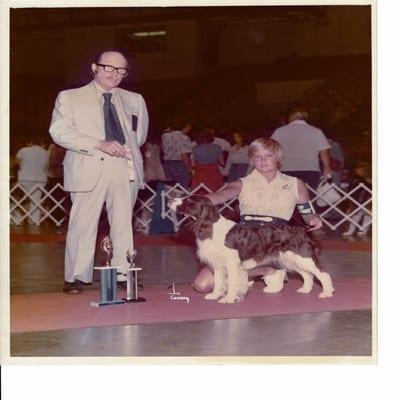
(177, 296)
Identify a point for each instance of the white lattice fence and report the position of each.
(36, 203)
(41, 203)
(354, 206)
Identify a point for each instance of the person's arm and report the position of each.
(18, 158)
(186, 152)
(186, 160)
(17, 161)
(325, 160)
(192, 162)
(63, 129)
(231, 191)
(306, 209)
(143, 122)
(221, 159)
(228, 164)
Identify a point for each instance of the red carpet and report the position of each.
(50, 311)
(183, 240)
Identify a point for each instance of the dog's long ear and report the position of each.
(232, 238)
(208, 211)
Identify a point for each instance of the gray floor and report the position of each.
(38, 267)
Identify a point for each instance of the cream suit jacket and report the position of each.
(77, 124)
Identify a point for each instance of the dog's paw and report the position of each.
(227, 299)
(238, 299)
(211, 296)
(304, 290)
(272, 289)
(324, 295)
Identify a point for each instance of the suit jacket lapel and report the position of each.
(96, 112)
(125, 120)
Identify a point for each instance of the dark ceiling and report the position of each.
(40, 19)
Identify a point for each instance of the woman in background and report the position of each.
(206, 158)
(153, 169)
(237, 164)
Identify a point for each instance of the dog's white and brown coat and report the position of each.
(230, 249)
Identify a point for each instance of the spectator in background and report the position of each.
(336, 161)
(187, 128)
(304, 146)
(153, 175)
(33, 162)
(206, 158)
(221, 142)
(177, 148)
(153, 170)
(56, 158)
(237, 164)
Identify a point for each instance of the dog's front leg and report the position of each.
(274, 282)
(233, 277)
(218, 285)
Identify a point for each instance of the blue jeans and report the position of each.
(177, 171)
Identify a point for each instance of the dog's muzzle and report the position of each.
(174, 203)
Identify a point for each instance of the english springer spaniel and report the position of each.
(230, 249)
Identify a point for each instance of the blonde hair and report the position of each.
(265, 144)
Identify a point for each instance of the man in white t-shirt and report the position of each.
(303, 146)
(32, 175)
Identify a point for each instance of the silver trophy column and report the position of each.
(132, 287)
(108, 278)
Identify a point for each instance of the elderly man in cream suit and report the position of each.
(99, 168)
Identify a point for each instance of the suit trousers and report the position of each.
(119, 194)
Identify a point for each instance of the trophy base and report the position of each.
(107, 303)
(137, 300)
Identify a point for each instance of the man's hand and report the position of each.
(113, 148)
(326, 175)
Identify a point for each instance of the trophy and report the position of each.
(108, 278)
(132, 275)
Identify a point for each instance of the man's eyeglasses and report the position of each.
(110, 68)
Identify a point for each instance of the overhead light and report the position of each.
(149, 33)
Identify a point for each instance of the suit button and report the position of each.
(102, 159)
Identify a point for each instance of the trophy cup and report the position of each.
(132, 274)
(108, 278)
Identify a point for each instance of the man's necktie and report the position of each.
(112, 125)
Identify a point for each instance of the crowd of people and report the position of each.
(198, 157)
(193, 157)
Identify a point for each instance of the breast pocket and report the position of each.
(134, 122)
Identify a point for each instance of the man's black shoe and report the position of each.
(83, 283)
(72, 287)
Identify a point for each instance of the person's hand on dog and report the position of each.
(314, 223)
